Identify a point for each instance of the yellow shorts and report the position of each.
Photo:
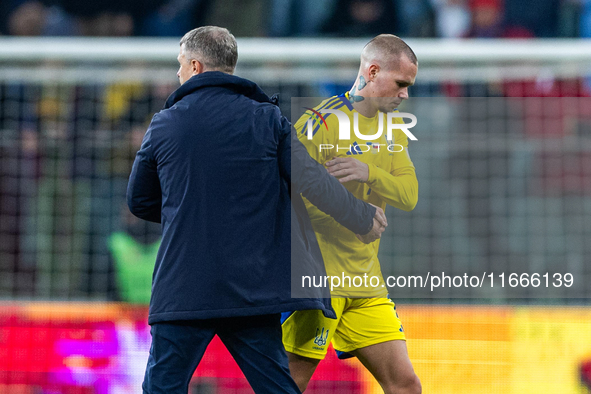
(360, 322)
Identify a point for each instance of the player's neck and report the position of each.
(357, 97)
(365, 108)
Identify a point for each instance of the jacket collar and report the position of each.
(219, 79)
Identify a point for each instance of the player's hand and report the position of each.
(348, 169)
(374, 234)
(380, 216)
(379, 225)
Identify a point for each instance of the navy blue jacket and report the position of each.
(215, 169)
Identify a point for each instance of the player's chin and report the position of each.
(389, 107)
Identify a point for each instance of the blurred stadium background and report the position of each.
(503, 99)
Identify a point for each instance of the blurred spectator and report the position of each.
(101, 17)
(487, 19)
(416, 18)
(570, 19)
(244, 18)
(358, 18)
(105, 17)
(27, 19)
(538, 16)
(300, 18)
(127, 107)
(174, 18)
(3, 17)
(452, 18)
(488, 22)
(585, 21)
(289, 18)
(133, 251)
(33, 18)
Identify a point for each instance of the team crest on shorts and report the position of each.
(320, 339)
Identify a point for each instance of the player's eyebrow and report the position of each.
(404, 84)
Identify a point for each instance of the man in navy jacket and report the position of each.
(215, 168)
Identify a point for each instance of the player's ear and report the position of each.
(373, 71)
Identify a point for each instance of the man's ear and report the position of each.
(373, 71)
(196, 67)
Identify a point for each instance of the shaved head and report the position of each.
(388, 68)
(386, 50)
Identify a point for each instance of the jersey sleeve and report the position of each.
(399, 187)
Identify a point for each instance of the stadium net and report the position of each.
(513, 197)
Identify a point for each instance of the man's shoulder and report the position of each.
(320, 117)
(168, 120)
(163, 117)
(180, 110)
(269, 110)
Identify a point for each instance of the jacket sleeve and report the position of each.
(311, 179)
(144, 196)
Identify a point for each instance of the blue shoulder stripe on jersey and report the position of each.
(335, 106)
(315, 118)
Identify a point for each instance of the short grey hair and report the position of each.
(213, 46)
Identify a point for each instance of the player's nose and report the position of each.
(403, 94)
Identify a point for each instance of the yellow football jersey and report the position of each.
(392, 181)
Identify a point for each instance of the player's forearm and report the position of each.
(400, 190)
